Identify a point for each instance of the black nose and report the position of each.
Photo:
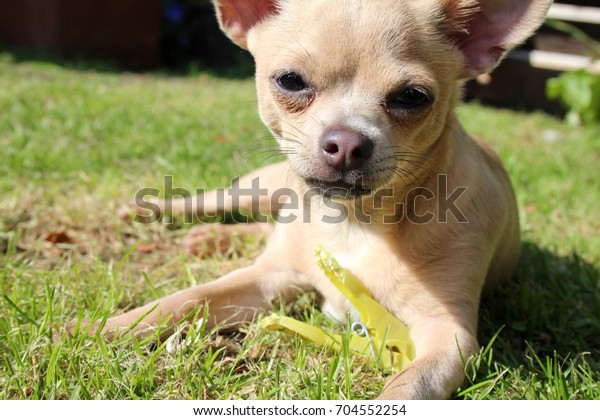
(345, 149)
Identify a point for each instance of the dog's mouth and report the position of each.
(338, 188)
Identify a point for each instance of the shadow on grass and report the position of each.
(551, 306)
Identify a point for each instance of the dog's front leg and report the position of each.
(251, 193)
(236, 297)
(438, 370)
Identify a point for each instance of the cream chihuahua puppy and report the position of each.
(360, 94)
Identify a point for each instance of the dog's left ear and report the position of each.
(237, 17)
(485, 30)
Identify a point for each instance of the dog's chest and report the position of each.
(368, 253)
(354, 246)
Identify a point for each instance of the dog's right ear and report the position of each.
(237, 17)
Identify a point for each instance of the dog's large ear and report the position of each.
(237, 17)
(485, 30)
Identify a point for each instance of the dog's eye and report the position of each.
(291, 82)
(410, 97)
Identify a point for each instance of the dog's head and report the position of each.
(360, 93)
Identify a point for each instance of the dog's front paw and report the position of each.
(438, 372)
(67, 330)
(149, 210)
(416, 384)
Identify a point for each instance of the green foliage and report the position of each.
(579, 91)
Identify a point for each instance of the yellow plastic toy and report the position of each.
(379, 333)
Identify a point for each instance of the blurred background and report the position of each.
(137, 34)
(183, 36)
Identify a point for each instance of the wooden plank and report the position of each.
(556, 61)
(572, 13)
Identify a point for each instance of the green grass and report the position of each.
(75, 144)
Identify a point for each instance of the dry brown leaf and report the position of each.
(59, 238)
